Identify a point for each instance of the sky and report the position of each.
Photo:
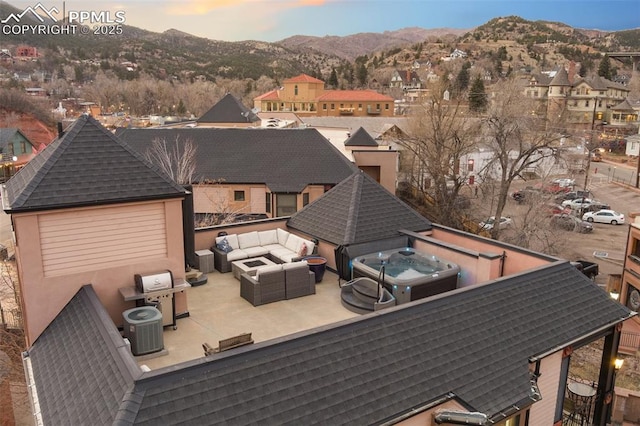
(274, 20)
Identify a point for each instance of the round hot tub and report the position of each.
(407, 273)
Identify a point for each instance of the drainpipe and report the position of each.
(502, 258)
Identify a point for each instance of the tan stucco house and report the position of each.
(306, 96)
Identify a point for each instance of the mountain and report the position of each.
(351, 46)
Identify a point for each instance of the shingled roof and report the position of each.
(561, 78)
(286, 160)
(360, 138)
(476, 343)
(357, 210)
(228, 110)
(86, 166)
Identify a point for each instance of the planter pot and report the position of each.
(317, 264)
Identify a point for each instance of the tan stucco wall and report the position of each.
(44, 297)
(515, 260)
(543, 411)
(387, 160)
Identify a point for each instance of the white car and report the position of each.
(490, 223)
(604, 216)
(578, 203)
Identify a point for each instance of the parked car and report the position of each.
(551, 209)
(525, 195)
(597, 205)
(604, 216)
(578, 203)
(488, 224)
(596, 156)
(552, 188)
(572, 195)
(569, 222)
(565, 182)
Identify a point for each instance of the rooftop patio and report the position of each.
(218, 312)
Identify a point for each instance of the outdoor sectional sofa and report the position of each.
(278, 282)
(276, 244)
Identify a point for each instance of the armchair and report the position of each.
(299, 280)
(268, 285)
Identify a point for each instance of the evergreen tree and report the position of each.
(462, 80)
(333, 78)
(604, 70)
(477, 96)
(362, 75)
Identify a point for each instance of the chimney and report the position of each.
(60, 131)
(571, 72)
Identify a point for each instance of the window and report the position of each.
(295, 90)
(386, 106)
(238, 195)
(470, 164)
(286, 204)
(23, 147)
(333, 106)
(305, 199)
(586, 103)
(10, 149)
(267, 207)
(324, 107)
(378, 107)
(359, 107)
(341, 105)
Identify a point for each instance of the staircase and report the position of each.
(360, 295)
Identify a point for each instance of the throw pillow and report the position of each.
(225, 246)
(303, 250)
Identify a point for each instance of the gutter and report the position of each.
(32, 390)
(419, 409)
(555, 349)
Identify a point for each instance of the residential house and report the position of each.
(405, 80)
(498, 352)
(585, 102)
(5, 55)
(632, 147)
(306, 96)
(228, 112)
(258, 172)
(89, 209)
(16, 150)
(379, 162)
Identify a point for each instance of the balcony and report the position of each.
(373, 111)
(346, 111)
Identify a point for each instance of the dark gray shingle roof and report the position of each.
(87, 166)
(357, 210)
(360, 138)
(228, 110)
(561, 78)
(87, 360)
(286, 160)
(474, 342)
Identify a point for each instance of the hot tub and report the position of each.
(408, 274)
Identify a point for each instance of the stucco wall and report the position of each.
(44, 295)
(387, 160)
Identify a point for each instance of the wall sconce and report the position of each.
(615, 295)
(617, 364)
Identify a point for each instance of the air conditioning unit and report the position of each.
(143, 327)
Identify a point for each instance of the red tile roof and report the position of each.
(303, 78)
(269, 96)
(353, 95)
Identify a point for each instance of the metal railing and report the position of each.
(10, 319)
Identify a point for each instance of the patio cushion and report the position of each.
(248, 239)
(282, 236)
(310, 246)
(266, 269)
(232, 239)
(237, 255)
(294, 265)
(256, 251)
(268, 237)
(293, 242)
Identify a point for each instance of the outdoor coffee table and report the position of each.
(248, 266)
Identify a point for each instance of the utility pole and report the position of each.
(590, 145)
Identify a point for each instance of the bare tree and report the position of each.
(441, 136)
(517, 138)
(219, 208)
(178, 160)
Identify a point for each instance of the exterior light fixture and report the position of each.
(617, 364)
(614, 294)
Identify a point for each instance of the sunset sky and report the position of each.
(273, 20)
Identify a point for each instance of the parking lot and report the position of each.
(605, 244)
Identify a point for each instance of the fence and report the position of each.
(10, 319)
(629, 342)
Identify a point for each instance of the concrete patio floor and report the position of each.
(218, 312)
